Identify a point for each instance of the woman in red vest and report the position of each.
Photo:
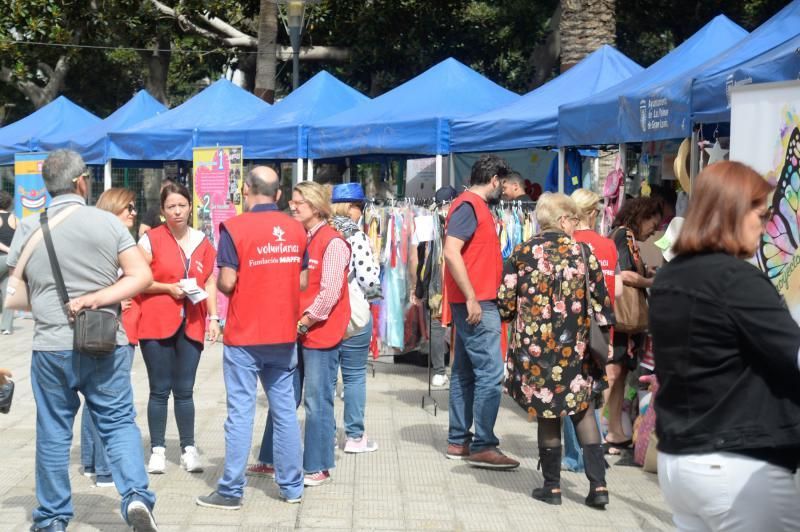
(172, 326)
(121, 202)
(325, 307)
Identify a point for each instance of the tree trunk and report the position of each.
(37, 94)
(585, 26)
(266, 60)
(544, 58)
(157, 62)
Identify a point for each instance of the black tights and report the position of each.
(585, 427)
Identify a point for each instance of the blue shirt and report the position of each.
(226, 251)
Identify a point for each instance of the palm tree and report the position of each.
(584, 27)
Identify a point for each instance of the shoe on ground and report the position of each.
(55, 526)
(360, 445)
(190, 460)
(158, 461)
(104, 481)
(548, 495)
(440, 381)
(491, 458)
(317, 479)
(457, 452)
(219, 501)
(261, 470)
(140, 517)
(6, 332)
(597, 498)
(294, 500)
(87, 471)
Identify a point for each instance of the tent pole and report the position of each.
(623, 156)
(694, 159)
(298, 171)
(596, 183)
(310, 176)
(451, 174)
(107, 175)
(439, 171)
(346, 177)
(562, 152)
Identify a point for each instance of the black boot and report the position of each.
(550, 463)
(595, 463)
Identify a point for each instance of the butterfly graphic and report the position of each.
(781, 237)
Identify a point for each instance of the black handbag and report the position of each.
(598, 336)
(95, 330)
(6, 395)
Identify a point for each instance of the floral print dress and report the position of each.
(543, 295)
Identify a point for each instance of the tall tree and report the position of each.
(584, 26)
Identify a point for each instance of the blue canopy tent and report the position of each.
(28, 134)
(412, 119)
(171, 135)
(92, 141)
(652, 105)
(281, 131)
(532, 121)
(767, 54)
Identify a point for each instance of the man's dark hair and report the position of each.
(515, 177)
(486, 167)
(6, 200)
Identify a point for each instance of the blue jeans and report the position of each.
(242, 366)
(93, 454)
(353, 354)
(105, 383)
(476, 378)
(266, 454)
(171, 368)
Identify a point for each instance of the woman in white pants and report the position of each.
(726, 350)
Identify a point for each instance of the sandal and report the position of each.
(616, 448)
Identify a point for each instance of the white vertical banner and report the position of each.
(765, 134)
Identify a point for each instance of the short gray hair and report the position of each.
(259, 185)
(60, 170)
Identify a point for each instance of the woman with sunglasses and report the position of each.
(172, 329)
(120, 202)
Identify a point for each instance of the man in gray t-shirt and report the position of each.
(92, 247)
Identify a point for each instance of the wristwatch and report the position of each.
(302, 329)
(213, 317)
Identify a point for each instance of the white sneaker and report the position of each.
(439, 381)
(190, 460)
(158, 461)
(360, 445)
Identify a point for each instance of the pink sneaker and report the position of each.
(360, 445)
(317, 479)
(261, 470)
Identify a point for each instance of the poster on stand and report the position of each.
(217, 185)
(765, 134)
(30, 194)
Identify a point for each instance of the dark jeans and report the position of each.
(171, 368)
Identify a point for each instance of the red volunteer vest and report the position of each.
(161, 313)
(606, 253)
(130, 321)
(481, 254)
(328, 333)
(265, 303)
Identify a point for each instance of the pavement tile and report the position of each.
(406, 485)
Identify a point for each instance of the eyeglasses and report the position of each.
(131, 208)
(293, 203)
(766, 217)
(85, 174)
(573, 219)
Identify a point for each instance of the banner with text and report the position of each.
(30, 194)
(765, 133)
(217, 185)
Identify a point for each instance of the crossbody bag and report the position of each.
(598, 337)
(95, 329)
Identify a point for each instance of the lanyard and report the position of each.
(184, 260)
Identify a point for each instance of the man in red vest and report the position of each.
(472, 276)
(260, 257)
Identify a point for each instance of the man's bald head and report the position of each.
(263, 181)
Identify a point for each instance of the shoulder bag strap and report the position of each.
(51, 253)
(36, 237)
(586, 279)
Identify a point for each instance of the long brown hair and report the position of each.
(722, 195)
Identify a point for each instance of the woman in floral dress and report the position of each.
(551, 373)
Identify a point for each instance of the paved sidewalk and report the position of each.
(406, 485)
